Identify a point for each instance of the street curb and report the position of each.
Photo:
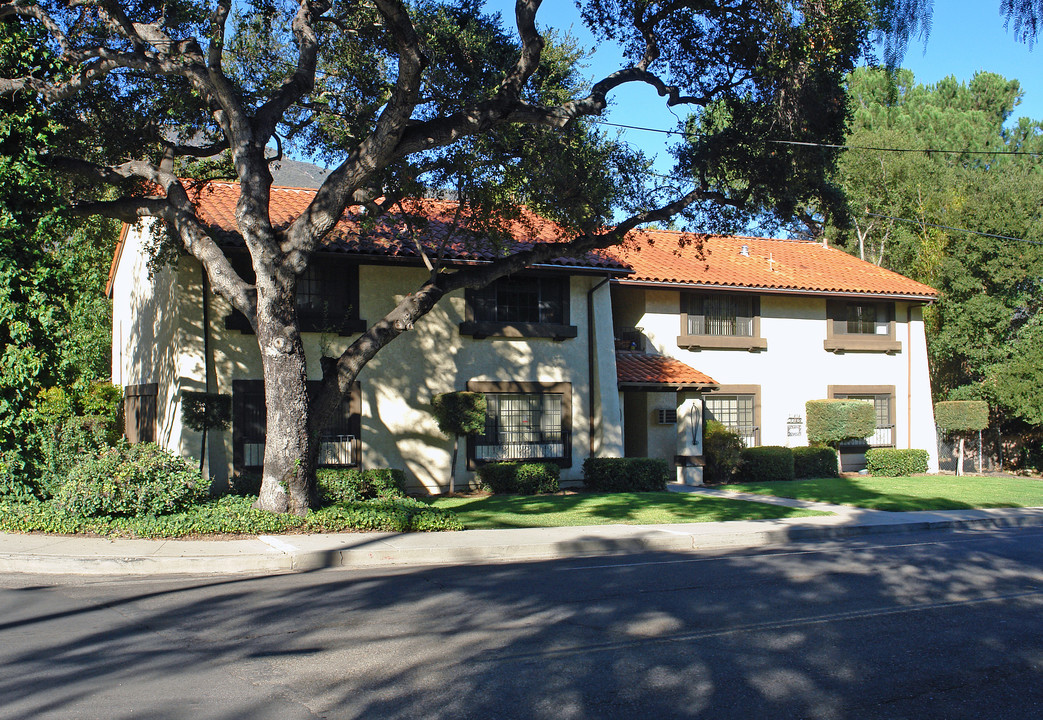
(283, 554)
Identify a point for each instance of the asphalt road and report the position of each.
(944, 625)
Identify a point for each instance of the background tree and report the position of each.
(403, 98)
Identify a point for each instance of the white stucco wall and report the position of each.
(795, 367)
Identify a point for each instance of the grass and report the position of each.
(901, 494)
(650, 508)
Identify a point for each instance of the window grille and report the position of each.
(720, 315)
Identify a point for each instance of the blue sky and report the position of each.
(966, 36)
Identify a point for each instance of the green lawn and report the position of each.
(651, 508)
(942, 492)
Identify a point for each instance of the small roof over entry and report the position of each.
(640, 371)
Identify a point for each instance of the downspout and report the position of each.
(590, 363)
(206, 354)
(909, 375)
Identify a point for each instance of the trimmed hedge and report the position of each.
(814, 462)
(626, 474)
(892, 462)
(833, 421)
(131, 481)
(337, 485)
(722, 449)
(962, 415)
(767, 462)
(519, 478)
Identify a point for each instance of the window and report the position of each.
(883, 400)
(861, 325)
(524, 421)
(735, 412)
(722, 321)
(520, 306)
(139, 412)
(338, 446)
(327, 296)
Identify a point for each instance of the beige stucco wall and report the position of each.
(398, 384)
(795, 367)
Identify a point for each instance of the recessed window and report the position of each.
(735, 412)
(520, 306)
(524, 421)
(720, 315)
(884, 436)
(861, 325)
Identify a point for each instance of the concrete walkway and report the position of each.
(288, 553)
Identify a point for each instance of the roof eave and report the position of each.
(762, 290)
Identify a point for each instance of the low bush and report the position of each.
(722, 449)
(626, 474)
(892, 462)
(131, 481)
(352, 485)
(520, 478)
(814, 462)
(767, 462)
(232, 515)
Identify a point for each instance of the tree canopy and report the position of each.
(407, 98)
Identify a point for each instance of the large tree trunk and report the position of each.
(286, 483)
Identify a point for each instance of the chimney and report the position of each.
(744, 251)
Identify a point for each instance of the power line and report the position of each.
(962, 230)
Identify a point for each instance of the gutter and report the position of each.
(590, 362)
(777, 291)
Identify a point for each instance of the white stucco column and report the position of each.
(689, 437)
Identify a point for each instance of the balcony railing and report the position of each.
(547, 445)
(333, 450)
(883, 437)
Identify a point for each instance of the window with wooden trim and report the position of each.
(520, 306)
(524, 421)
(737, 413)
(724, 321)
(860, 325)
(339, 444)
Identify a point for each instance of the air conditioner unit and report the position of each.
(667, 416)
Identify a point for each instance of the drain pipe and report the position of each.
(590, 362)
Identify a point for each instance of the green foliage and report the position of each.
(626, 474)
(766, 462)
(519, 478)
(722, 449)
(833, 421)
(962, 415)
(894, 462)
(459, 413)
(814, 462)
(131, 481)
(338, 485)
(231, 515)
(201, 411)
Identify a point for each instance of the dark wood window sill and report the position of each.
(479, 330)
(862, 343)
(721, 342)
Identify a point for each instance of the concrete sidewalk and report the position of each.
(288, 553)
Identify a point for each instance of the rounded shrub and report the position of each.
(767, 462)
(722, 449)
(131, 481)
(894, 462)
(814, 462)
(520, 478)
(352, 485)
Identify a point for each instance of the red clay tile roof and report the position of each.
(389, 235)
(637, 368)
(783, 265)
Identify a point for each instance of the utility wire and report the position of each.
(954, 229)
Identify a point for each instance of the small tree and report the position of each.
(831, 422)
(202, 411)
(458, 413)
(962, 416)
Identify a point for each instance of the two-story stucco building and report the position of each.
(612, 353)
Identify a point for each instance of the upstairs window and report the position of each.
(861, 318)
(720, 315)
(860, 326)
(520, 306)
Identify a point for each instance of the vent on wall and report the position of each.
(667, 416)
